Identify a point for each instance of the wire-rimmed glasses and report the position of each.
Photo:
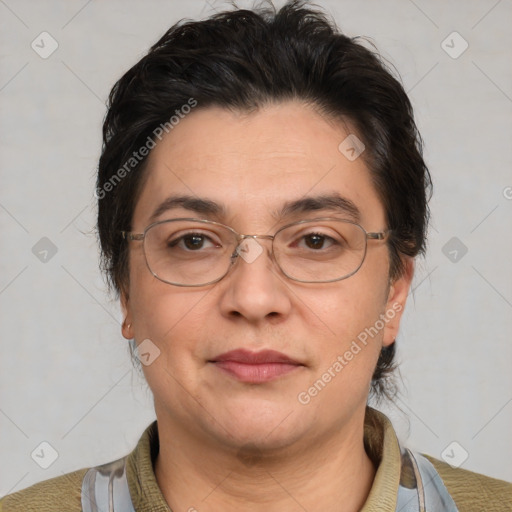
(199, 252)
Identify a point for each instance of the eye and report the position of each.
(317, 241)
(193, 242)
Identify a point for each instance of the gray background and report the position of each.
(66, 376)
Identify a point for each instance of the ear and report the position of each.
(395, 305)
(127, 326)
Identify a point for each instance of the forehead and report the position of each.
(252, 164)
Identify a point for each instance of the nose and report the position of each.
(254, 288)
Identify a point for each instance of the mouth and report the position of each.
(255, 367)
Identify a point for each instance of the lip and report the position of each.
(255, 367)
(248, 357)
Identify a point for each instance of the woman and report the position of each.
(262, 196)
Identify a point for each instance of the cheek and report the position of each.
(161, 312)
(164, 313)
(173, 320)
(343, 310)
(349, 314)
(348, 355)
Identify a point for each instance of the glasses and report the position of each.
(197, 252)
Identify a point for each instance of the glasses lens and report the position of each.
(320, 250)
(188, 253)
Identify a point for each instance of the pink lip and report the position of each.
(255, 367)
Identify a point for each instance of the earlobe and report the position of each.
(126, 328)
(395, 305)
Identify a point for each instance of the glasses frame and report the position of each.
(140, 237)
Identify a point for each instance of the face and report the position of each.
(252, 166)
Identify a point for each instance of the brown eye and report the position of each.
(192, 242)
(315, 241)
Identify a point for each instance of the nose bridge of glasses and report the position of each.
(249, 249)
(264, 237)
(240, 239)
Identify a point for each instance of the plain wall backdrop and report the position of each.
(66, 377)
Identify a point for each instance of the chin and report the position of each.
(262, 426)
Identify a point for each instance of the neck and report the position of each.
(335, 473)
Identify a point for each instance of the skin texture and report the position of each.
(228, 445)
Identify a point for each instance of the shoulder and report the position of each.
(473, 491)
(62, 493)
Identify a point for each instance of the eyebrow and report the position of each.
(195, 204)
(333, 202)
(202, 206)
